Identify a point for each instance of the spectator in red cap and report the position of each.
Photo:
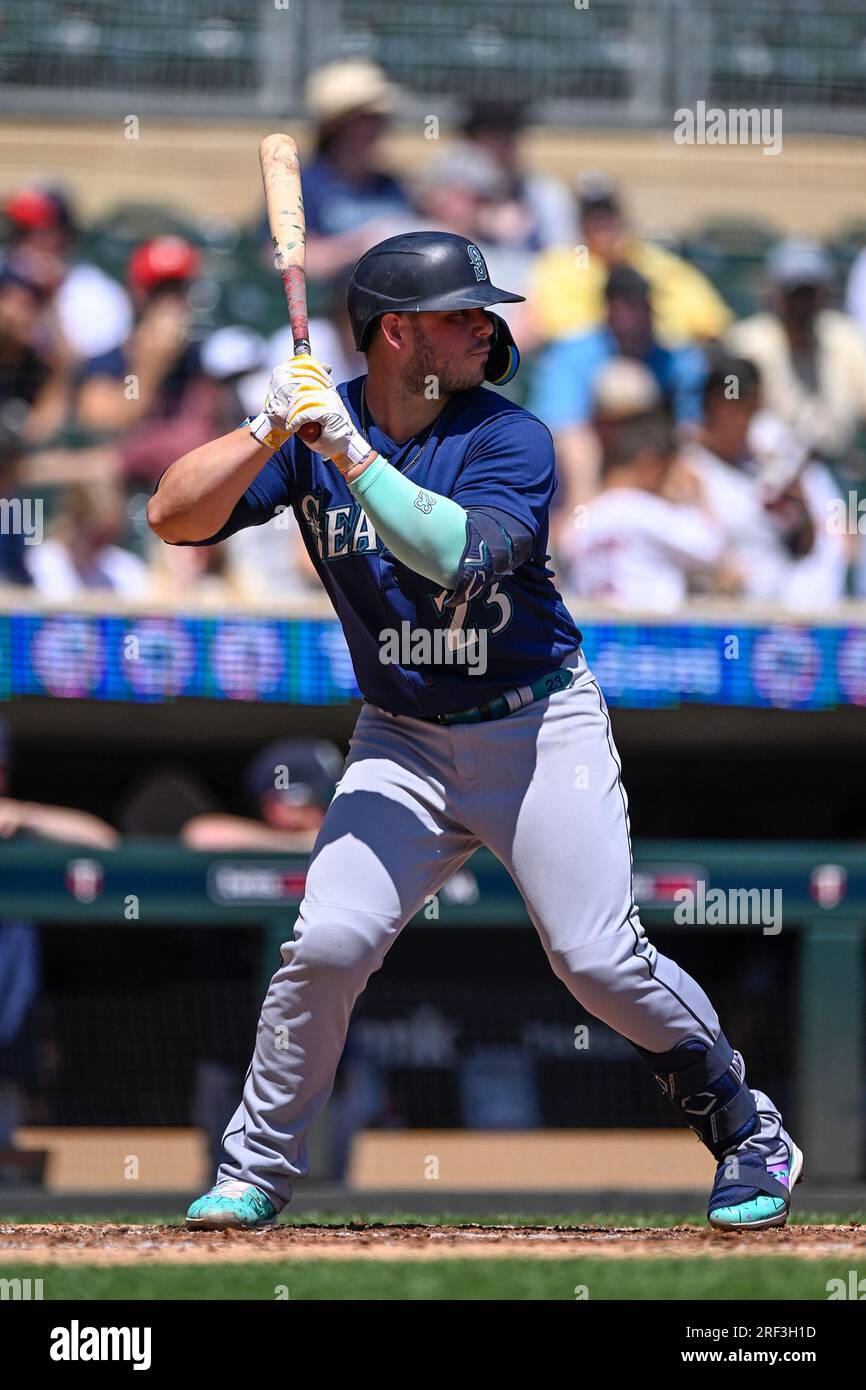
(152, 390)
(91, 312)
(165, 259)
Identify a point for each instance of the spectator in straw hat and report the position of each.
(350, 202)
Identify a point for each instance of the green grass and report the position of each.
(173, 1217)
(514, 1278)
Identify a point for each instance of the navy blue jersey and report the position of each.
(483, 451)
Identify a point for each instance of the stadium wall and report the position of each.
(206, 167)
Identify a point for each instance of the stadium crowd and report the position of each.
(699, 450)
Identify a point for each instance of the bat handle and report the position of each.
(309, 433)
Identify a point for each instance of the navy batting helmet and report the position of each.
(418, 271)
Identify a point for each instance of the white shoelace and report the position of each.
(233, 1187)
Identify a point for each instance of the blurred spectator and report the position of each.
(567, 288)
(287, 789)
(202, 573)
(464, 190)
(92, 311)
(765, 529)
(14, 542)
(350, 203)
(153, 387)
(81, 551)
(536, 211)
(335, 345)
(231, 358)
(630, 545)
(264, 561)
(35, 378)
(855, 293)
(567, 372)
(819, 578)
(812, 359)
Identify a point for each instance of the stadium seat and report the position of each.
(110, 241)
(731, 252)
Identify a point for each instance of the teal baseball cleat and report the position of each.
(751, 1192)
(232, 1205)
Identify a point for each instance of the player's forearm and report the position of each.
(425, 530)
(105, 406)
(216, 833)
(49, 409)
(198, 493)
(67, 825)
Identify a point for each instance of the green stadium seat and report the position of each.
(737, 235)
(110, 241)
(731, 252)
(253, 300)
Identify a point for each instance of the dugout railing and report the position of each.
(816, 890)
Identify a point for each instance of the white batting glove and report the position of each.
(269, 427)
(339, 440)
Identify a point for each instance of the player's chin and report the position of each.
(470, 374)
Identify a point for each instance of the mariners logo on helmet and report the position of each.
(477, 260)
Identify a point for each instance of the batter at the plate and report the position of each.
(424, 507)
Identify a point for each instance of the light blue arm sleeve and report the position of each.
(424, 530)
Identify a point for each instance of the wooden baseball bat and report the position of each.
(281, 176)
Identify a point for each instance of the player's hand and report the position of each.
(287, 377)
(301, 393)
(339, 440)
(270, 426)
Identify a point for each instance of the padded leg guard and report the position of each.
(705, 1083)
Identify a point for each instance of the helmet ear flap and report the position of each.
(504, 359)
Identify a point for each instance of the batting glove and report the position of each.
(339, 440)
(270, 426)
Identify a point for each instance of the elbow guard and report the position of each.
(496, 545)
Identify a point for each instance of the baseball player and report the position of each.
(424, 507)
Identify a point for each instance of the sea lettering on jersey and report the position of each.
(338, 531)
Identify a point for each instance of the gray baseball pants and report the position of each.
(542, 790)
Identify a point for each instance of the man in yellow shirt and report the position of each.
(567, 285)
